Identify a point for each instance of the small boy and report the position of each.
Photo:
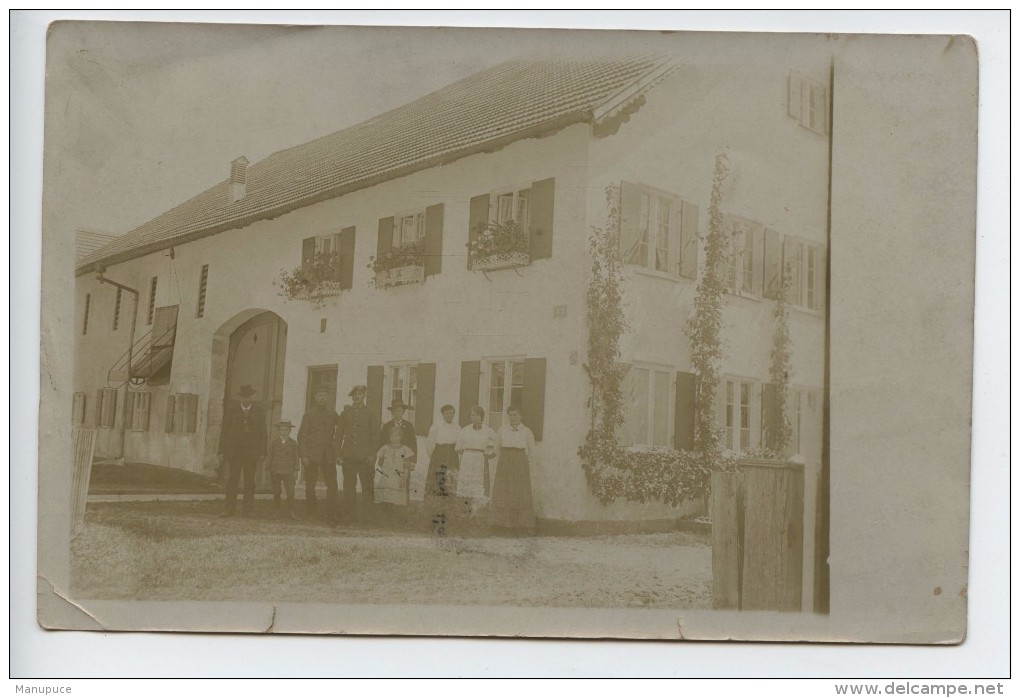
(282, 459)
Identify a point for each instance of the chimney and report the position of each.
(238, 178)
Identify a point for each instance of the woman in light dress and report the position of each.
(512, 507)
(476, 446)
(444, 463)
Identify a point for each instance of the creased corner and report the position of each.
(57, 611)
(272, 622)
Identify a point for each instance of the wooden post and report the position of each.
(727, 539)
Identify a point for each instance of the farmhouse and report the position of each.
(348, 260)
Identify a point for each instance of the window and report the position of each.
(182, 413)
(138, 410)
(743, 269)
(739, 412)
(804, 263)
(658, 231)
(505, 387)
(78, 409)
(513, 205)
(808, 103)
(85, 316)
(646, 396)
(203, 284)
(403, 385)
(106, 407)
(152, 300)
(321, 379)
(116, 310)
(408, 229)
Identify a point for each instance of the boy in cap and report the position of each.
(282, 459)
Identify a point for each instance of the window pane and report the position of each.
(523, 209)
(412, 386)
(497, 380)
(420, 225)
(517, 373)
(660, 416)
(728, 432)
(811, 261)
(747, 257)
(639, 406)
(662, 235)
(504, 208)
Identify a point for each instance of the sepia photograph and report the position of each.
(437, 331)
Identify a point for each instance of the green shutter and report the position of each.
(345, 264)
(385, 241)
(478, 218)
(374, 383)
(757, 243)
(170, 400)
(307, 250)
(99, 408)
(773, 263)
(630, 236)
(425, 400)
(684, 412)
(540, 218)
(433, 239)
(129, 408)
(534, 396)
(191, 413)
(470, 376)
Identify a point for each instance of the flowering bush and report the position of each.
(410, 255)
(497, 238)
(315, 280)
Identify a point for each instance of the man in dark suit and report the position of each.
(315, 446)
(407, 435)
(356, 449)
(243, 441)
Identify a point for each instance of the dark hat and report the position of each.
(397, 402)
(285, 423)
(356, 388)
(246, 391)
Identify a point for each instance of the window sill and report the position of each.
(745, 296)
(655, 274)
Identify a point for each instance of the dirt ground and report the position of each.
(182, 550)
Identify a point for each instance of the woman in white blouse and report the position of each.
(512, 506)
(476, 444)
(444, 462)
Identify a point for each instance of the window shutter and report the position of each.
(478, 217)
(540, 219)
(770, 415)
(191, 413)
(821, 277)
(170, 400)
(110, 408)
(470, 375)
(433, 239)
(146, 399)
(385, 242)
(129, 409)
(675, 237)
(689, 240)
(99, 408)
(683, 413)
(374, 383)
(792, 266)
(630, 236)
(307, 250)
(345, 263)
(757, 243)
(425, 406)
(534, 396)
(773, 263)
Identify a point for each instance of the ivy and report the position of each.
(779, 368)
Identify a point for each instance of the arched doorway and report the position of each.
(249, 349)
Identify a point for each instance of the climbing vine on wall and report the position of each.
(779, 368)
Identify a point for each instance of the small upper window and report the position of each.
(808, 103)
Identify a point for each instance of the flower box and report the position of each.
(504, 260)
(325, 289)
(400, 276)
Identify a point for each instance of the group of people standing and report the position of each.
(471, 469)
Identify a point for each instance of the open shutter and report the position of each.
(110, 408)
(425, 399)
(191, 413)
(757, 243)
(147, 405)
(675, 219)
(683, 413)
(374, 383)
(540, 219)
(98, 416)
(385, 241)
(470, 376)
(773, 263)
(630, 235)
(170, 404)
(689, 240)
(129, 408)
(478, 217)
(534, 396)
(433, 239)
(345, 263)
(307, 250)
(770, 416)
(821, 281)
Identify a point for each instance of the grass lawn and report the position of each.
(181, 550)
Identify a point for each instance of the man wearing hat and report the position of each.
(282, 459)
(315, 447)
(407, 436)
(355, 447)
(243, 445)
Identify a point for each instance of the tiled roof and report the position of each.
(491, 108)
(87, 241)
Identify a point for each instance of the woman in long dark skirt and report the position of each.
(444, 463)
(512, 506)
